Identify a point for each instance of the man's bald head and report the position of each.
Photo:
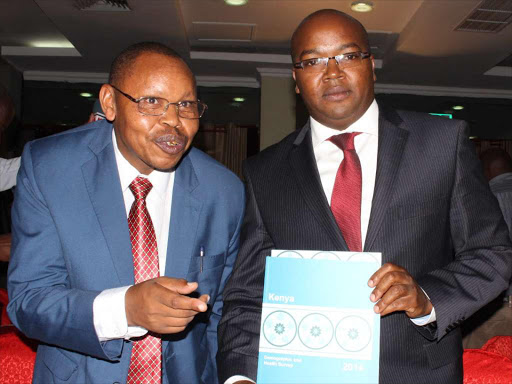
(6, 109)
(327, 14)
(495, 162)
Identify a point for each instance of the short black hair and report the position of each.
(333, 12)
(124, 61)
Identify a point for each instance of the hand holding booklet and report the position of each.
(318, 323)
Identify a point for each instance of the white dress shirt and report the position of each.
(8, 172)
(109, 308)
(328, 157)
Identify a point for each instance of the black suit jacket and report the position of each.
(432, 213)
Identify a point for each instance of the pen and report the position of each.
(201, 256)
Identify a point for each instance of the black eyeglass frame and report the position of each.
(337, 59)
(177, 104)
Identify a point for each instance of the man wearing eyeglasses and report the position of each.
(359, 177)
(124, 235)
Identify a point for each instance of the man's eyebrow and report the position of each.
(187, 95)
(308, 52)
(340, 48)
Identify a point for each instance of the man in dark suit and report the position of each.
(104, 206)
(422, 202)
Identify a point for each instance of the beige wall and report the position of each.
(277, 116)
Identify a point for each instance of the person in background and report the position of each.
(8, 167)
(362, 177)
(497, 165)
(97, 112)
(124, 235)
(494, 319)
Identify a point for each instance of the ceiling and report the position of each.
(414, 41)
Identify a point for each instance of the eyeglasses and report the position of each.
(345, 60)
(157, 106)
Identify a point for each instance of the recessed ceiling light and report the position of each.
(239, 99)
(236, 2)
(458, 107)
(362, 6)
(86, 94)
(51, 44)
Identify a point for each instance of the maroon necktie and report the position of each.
(346, 194)
(146, 359)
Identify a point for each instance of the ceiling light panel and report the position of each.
(362, 6)
(236, 2)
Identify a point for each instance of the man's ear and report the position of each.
(297, 90)
(108, 102)
(373, 69)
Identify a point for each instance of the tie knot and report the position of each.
(344, 141)
(140, 187)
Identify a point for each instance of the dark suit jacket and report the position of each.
(432, 213)
(71, 241)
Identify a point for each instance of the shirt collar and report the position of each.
(368, 123)
(127, 173)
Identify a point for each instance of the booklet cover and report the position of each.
(318, 324)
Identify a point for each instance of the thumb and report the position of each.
(180, 286)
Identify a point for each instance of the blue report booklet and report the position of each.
(318, 324)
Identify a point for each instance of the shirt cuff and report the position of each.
(109, 316)
(234, 379)
(427, 319)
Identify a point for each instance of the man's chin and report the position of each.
(167, 166)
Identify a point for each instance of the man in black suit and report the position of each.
(424, 204)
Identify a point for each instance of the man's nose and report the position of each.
(333, 70)
(171, 116)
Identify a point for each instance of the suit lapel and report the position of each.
(104, 188)
(185, 212)
(305, 172)
(392, 140)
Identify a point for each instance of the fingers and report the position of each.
(396, 290)
(157, 306)
(395, 299)
(185, 304)
(385, 277)
(181, 286)
(383, 271)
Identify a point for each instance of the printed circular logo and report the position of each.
(353, 333)
(290, 254)
(362, 257)
(279, 328)
(325, 256)
(315, 331)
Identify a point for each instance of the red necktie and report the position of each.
(146, 359)
(346, 195)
